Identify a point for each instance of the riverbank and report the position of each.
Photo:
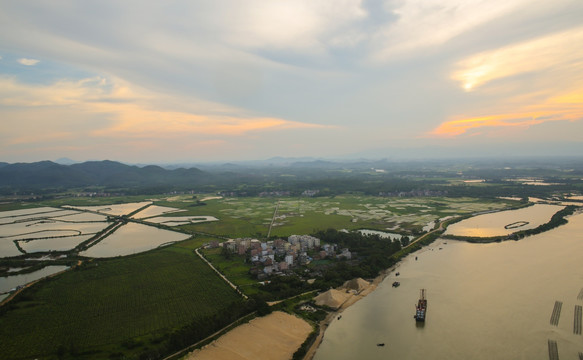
(351, 300)
(485, 301)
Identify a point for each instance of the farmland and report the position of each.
(117, 307)
(152, 303)
(241, 217)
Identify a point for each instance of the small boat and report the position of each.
(381, 344)
(339, 317)
(397, 274)
(396, 283)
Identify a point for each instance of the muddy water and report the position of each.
(504, 222)
(9, 282)
(485, 301)
(132, 239)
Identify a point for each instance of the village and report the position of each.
(276, 257)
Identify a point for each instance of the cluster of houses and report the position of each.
(97, 194)
(278, 256)
(274, 193)
(414, 193)
(279, 193)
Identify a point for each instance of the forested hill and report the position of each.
(47, 174)
(479, 178)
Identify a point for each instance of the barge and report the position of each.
(421, 307)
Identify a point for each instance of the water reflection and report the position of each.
(133, 238)
(10, 282)
(497, 224)
(485, 301)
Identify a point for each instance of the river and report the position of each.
(485, 301)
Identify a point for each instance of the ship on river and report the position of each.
(421, 308)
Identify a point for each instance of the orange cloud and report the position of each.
(458, 127)
(548, 52)
(122, 111)
(564, 107)
(132, 120)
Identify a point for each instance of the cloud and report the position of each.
(133, 112)
(455, 128)
(28, 62)
(565, 107)
(60, 93)
(421, 24)
(302, 25)
(255, 74)
(544, 53)
(135, 121)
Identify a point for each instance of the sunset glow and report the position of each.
(545, 53)
(213, 81)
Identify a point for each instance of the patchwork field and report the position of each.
(127, 303)
(132, 305)
(240, 217)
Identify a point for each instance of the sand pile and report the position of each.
(358, 284)
(332, 298)
(275, 336)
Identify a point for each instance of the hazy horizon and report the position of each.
(230, 81)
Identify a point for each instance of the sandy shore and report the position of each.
(351, 299)
(276, 336)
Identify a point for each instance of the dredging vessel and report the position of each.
(421, 308)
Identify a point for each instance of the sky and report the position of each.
(225, 80)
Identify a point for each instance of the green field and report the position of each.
(250, 217)
(123, 307)
(235, 269)
(112, 307)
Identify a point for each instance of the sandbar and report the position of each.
(272, 337)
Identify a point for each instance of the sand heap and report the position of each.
(358, 285)
(332, 298)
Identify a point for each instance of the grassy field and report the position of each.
(125, 306)
(118, 306)
(250, 217)
(235, 269)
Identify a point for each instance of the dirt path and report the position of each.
(221, 275)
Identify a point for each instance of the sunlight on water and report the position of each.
(9, 282)
(133, 238)
(504, 222)
(485, 301)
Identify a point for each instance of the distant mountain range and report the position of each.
(253, 177)
(106, 173)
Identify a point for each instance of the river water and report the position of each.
(504, 222)
(485, 301)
